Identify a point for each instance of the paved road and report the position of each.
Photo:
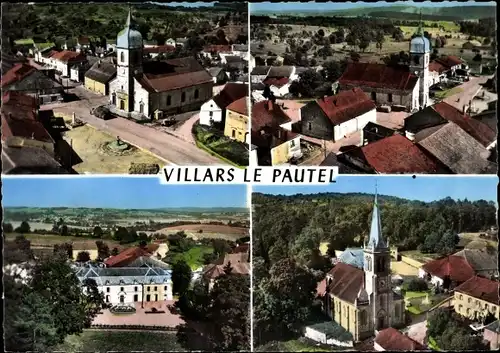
(172, 149)
(469, 90)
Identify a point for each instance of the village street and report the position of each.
(173, 150)
(468, 91)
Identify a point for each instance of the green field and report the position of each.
(25, 41)
(448, 93)
(121, 341)
(194, 256)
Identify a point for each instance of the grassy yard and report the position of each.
(121, 341)
(433, 344)
(194, 256)
(418, 256)
(448, 93)
(292, 346)
(222, 147)
(25, 41)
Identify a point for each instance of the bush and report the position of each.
(417, 285)
(143, 168)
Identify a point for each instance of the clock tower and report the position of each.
(377, 263)
(420, 51)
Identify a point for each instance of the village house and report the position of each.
(219, 75)
(393, 340)
(128, 285)
(335, 117)
(437, 73)
(259, 73)
(97, 78)
(153, 52)
(26, 79)
(334, 160)
(130, 256)
(22, 160)
(272, 134)
(452, 64)
(483, 261)
(214, 52)
(236, 124)
(393, 155)
(279, 87)
(153, 88)
(214, 110)
(447, 272)
(239, 262)
(372, 132)
(82, 44)
(477, 297)
(492, 334)
(20, 123)
(362, 300)
(62, 61)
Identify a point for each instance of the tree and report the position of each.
(321, 32)
(354, 56)
(229, 313)
(66, 249)
(221, 247)
(83, 256)
(114, 252)
(457, 338)
(24, 227)
(438, 43)
(97, 232)
(63, 230)
(181, 277)
(333, 70)
(380, 39)
(437, 322)
(364, 43)
(18, 251)
(283, 301)
(102, 250)
(8, 228)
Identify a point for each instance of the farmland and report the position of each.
(198, 231)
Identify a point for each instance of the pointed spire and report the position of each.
(376, 240)
(420, 31)
(129, 18)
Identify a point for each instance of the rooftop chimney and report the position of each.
(270, 105)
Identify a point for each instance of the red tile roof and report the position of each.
(19, 118)
(217, 48)
(346, 105)
(391, 339)
(243, 248)
(239, 106)
(378, 76)
(167, 75)
(159, 49)
(449, 61)
(268, 113)
(231, 92)
(437, 67)
(481, 288)
(67, 56)
(478, 130)
(396, 154)
(16, 73)
(239, 263)
(277, 82)
(83, 40)
(129, 255)
(346, 284)
(455, 267)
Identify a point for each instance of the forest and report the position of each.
(295, 225)
(51, 22)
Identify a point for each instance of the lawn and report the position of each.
(194, 256)
(89, 144)
(121, 341)
(433, 344)
(298, 345)
(49, 240)
(214, 142)
(25, 41)
(448, 93)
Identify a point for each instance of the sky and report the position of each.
(117, 192)
(299, 6)
(422, 188)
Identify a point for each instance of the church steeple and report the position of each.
(376, 241)
(129, 18)
(420, 31)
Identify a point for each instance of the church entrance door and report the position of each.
(122, 104)
(113, 99)
(381, 323)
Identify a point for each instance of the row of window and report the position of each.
(469, 300)
(136, 289)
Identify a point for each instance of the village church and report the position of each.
(357, 293)
(152, 88)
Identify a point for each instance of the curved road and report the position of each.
(170, 148)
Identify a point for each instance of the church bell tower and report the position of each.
(420, 48)
(377, 262)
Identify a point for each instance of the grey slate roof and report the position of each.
(124, 275)
(36, 81)
(29, 160)
(280, 71)
(260, 70)
(214, 71)
(484, 262)
(494, 326)
(353, 257)
(456, 149)
(102, 72)
(331, 160)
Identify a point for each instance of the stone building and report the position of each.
(153, 88)
(362, 300)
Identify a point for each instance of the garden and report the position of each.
(214, 142)
(419, 297)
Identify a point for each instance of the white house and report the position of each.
(62, 61)
(279, 86)
(214, 110)
(329, 333)
(335, 117)
(453, 268)
(129, 284)
(253, 158)
(434, 280)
